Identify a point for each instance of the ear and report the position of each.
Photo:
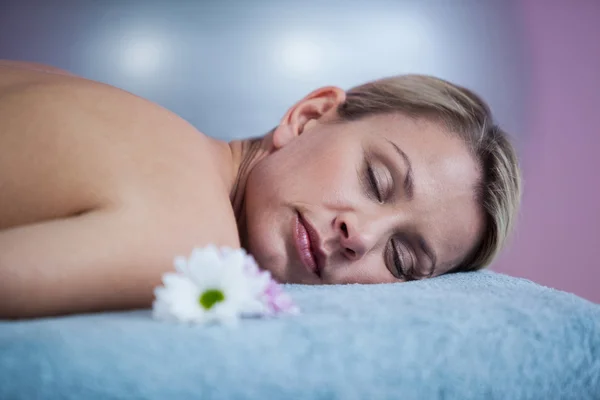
(321, 104)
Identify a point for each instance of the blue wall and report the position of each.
(232, 68)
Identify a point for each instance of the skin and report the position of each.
(359, 230)
(100, 189)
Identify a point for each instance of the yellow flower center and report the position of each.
(210, 297)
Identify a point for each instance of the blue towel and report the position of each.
(465, 336)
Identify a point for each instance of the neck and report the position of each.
(245, 155)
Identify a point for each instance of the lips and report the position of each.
(306, 245)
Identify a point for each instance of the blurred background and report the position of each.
(232, 68)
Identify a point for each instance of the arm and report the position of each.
(91, 262)
(102, 260)
(107, 259)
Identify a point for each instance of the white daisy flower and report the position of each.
(215, 285)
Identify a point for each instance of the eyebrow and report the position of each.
(409, 183)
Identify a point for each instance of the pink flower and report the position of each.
(274, 298)
(277, 301)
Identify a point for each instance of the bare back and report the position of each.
(99, 189)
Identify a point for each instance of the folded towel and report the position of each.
(478, 335)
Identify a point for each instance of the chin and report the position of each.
(265, 251)
(274, 258)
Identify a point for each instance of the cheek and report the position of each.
(335, 174)
(313, 175)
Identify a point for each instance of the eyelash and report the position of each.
(398, 264)
(373, 183)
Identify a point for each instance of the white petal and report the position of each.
(260, 282)
(180, 264)
(253, 307)
(226, 313)
(161, 311)
(205, 255)
(188, 311)
(177, 282)
(234, 259)
(206, 272)
(225, 251)
(231, 276)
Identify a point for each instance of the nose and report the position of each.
(355, 240)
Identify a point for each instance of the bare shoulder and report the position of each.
(70, 145)
(33, 66)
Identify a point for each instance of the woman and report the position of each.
(399, 179)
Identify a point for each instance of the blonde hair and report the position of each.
(466, 114)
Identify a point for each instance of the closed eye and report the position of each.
(375, 188)
(400, 260)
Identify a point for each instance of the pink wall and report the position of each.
(558, 240)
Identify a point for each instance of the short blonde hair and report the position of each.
(466, 114)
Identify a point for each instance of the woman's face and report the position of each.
(382, 199)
